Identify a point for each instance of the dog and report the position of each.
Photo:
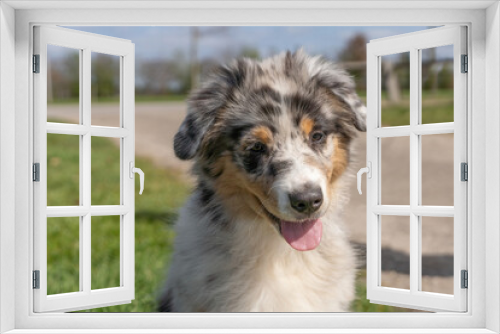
(262, 231)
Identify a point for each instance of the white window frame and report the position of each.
(85, 43)
(16, 126)
(413, 44)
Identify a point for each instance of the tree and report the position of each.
(355, 49)
(195, 34)
(353, 57)
(155, 76)
(445, 76)
(249, 52)
(71, 68)
(63, 77)
(105, 76)
(164, 76)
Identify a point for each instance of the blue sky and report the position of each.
(163, 42)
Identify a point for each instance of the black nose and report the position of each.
(306, 201)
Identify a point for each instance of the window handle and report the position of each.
(138, 171)
(368, 171)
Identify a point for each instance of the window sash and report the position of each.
(86, 43)
(413, 43)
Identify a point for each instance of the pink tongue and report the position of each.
(302, 236)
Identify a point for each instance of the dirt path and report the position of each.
(155, 127)
(437, 233)
(157, 123)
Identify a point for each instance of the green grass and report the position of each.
(436, 108)
(138, 98)
(361, 304)
(63, 170)
(155, 214)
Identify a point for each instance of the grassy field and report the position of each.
(155, 214)
(436, 108)
(138, 98)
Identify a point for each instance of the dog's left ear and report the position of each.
(340, 84)
(357, 107)
(203, 106)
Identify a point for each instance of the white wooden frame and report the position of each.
(483, 19)
(413, 43)
(85, 43)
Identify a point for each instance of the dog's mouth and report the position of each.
(301, 235)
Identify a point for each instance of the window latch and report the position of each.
(133, 170)
(368, 171)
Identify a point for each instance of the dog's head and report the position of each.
(278, 130)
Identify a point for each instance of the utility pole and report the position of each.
(392, 82)
(193, 56)
(50, 91)
(433, 69)
(195, 34)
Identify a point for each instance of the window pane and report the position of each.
(395, 81)
(437, 169)
(63, 255)
(105, 252)
(105, 171)
(437, 254)
(437, 84)
(105, 89)
(395, 243)
(395, 170)
(63, 170)
(63, 84)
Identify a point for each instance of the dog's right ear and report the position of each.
(204, 105)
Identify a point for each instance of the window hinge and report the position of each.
(36, 63)
(465, 64)
(465, 279)
(36, 172)
(36, 279)
(464, 171)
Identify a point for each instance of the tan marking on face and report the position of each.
(262, 133)
(340, 158)
(311, 161)
(242, 195)
(307, 125)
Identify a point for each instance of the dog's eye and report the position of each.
(317, 137)
(258, 147)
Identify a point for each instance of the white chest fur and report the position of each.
(281, 279)
(252, 268)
